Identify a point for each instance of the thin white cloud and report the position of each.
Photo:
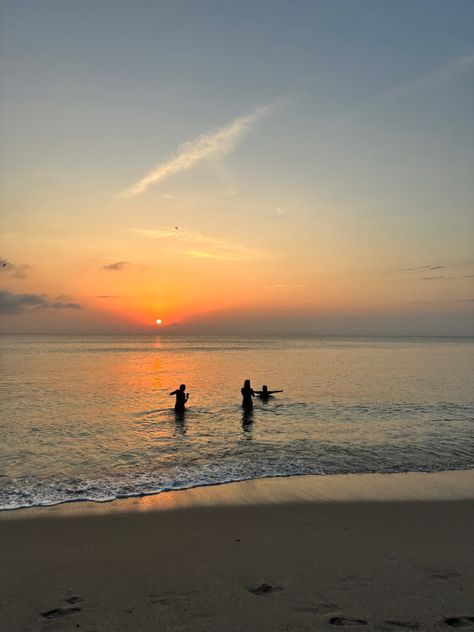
(220, 256)
(212, 144)
(162, 234)
(444, 72)
(229, 253)
(207, 247)
(286, 286)
(436, 77)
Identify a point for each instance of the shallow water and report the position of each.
(91, 417)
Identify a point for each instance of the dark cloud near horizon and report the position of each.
(431, 268)
(447, 278)
(17, 271)
(11, 303)
(454, 300)
(115, 267)
(418, 268)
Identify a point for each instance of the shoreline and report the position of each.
(371, 551)
(374, 487)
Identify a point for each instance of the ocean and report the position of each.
(91, 418)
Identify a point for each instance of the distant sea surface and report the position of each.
(90, 417)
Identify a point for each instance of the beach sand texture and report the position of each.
(386, 552)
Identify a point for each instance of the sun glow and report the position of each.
(158, 321)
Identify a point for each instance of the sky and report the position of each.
(252, 167)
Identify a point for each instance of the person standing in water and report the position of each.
(181, 397)
(247, 394)
(265, 393)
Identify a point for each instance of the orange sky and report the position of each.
(325, 190)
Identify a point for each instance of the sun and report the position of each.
(158, 321)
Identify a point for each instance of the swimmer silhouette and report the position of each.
(181, 397)
(179, 418)
(265, 393)
(247, 421)
(247, 394)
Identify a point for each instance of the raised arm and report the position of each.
(271, 392)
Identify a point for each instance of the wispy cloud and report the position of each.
(437, 77)
(431, 268)
(286, 286)
(456, 300)
(163, 234)
(441, 73)
(17, 271)
(448, 278)
(418, 268)
(202, 254)
(216, 143)
(117, 266)
(207, 247)
(11, 303)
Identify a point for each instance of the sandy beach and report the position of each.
(373, 552)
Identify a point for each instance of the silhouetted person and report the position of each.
(181, 397)
(179, 418)
(247, 422)
(265, 393)
(247, 394)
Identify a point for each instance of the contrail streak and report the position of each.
(189, 154)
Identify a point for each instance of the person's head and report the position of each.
(264, 388)
(247, 384)
(182, 387)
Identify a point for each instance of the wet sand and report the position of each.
(372, 552)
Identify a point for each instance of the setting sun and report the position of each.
(288, 183)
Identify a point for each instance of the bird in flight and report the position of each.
(176, 227)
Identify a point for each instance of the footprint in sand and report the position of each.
(343, 621)
(157, 599)
(460, 622)
(264, 589)
(446, 575)
(320, 608)
(59, 612)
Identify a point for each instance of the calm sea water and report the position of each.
(91, 417)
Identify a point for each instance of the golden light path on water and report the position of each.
(91, 417)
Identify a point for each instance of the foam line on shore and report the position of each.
(411, 486)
